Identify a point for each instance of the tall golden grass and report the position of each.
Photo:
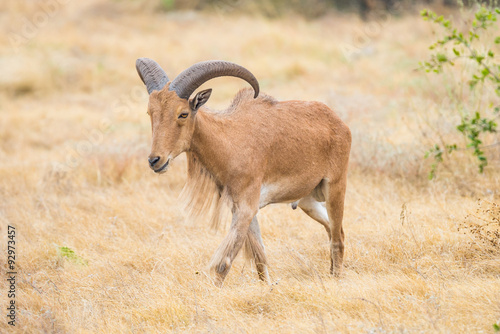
(102, 244)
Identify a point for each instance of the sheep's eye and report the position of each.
(183, 115)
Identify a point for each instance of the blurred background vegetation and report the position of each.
(309, 8)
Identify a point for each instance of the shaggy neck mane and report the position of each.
(204, 192)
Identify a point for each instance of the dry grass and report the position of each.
(74, 138)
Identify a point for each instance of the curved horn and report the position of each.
(151, 74)
(193, 77)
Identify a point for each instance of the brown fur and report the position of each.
(257, 152)
(246, 95)
(202, 197)
(254, 250)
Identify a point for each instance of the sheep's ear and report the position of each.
(200, 99)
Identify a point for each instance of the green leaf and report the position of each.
(455, 51)
(497, 40)
(441, 57)
(491, 54)
(496, 327)
(451, 148)
(70, 254)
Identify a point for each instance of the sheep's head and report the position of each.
(172, 123)
(172, 111)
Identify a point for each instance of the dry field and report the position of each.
(103, 245)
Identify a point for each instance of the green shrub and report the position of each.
(472, 48)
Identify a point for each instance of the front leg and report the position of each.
(254, 249)
(243, 213)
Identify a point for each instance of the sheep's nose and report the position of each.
(153, 161)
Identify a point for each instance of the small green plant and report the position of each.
(70, 255)
(470, 45)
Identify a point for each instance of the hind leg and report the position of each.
(254, 249)
(316, 210)
(335, 194)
